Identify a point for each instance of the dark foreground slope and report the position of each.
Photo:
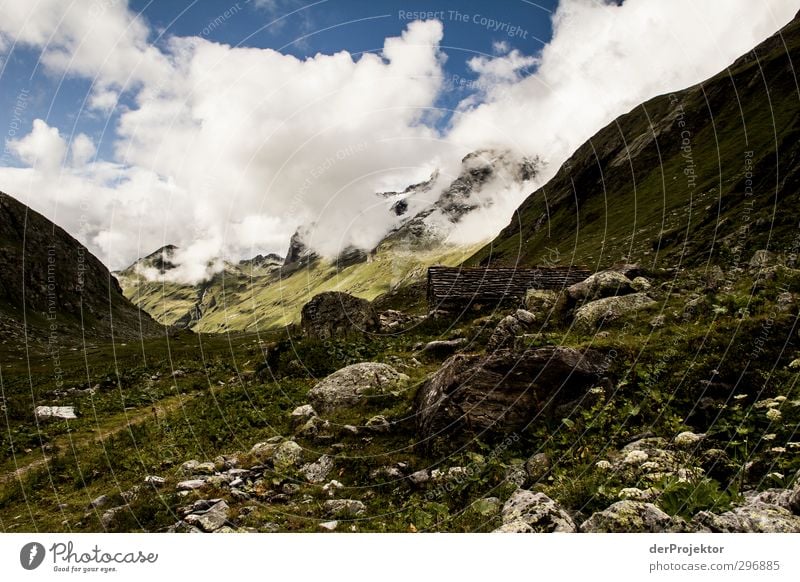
(55, 286)
(708, 174)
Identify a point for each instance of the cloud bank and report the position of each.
(226, 150)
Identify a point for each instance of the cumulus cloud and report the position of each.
(604, 59)
(43, 148)
(225, 150)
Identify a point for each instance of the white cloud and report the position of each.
(226, 150)
(43, 148)
(603, 60)
(82, 150)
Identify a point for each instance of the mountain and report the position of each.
(267, 292)
(52, 286)
(701, 175)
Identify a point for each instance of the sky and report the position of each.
(224, 126)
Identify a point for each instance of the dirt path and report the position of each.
(88, 435)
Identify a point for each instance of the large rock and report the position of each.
(528, 512)
(211, 519)
(55, 413)
(591, 315)
(509, 328)
(628, 516)
(349, 386)
(287, 455)
(443, 348)
(543, 301)
(600, 285)
(755, 517)
(502, 391)
(319, 470)
(336, 314)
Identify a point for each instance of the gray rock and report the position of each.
(155, 480)
(329, 525)
(537, 466)
(443, 348)
(378, 423)
(600, 285)
(526, 511)
(313, 427)
(109, 517)
(349, 386)
(344, 507)
(336, 314)
(317, 471)
(101, 501)
(502, 391)
(546, 304)
(191, 485)
(794, 498)
(591, 315)
(211, 519)
(516, 474)
(755, 517)
(640, 284)
(55, 413)
(188, 468)
(287, 455)
(509, 328)
(302, 414)
(206, 468)
(628, 516)
(420, 477)
(263, 451)
(525, 317)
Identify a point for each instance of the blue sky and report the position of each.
(300, 28)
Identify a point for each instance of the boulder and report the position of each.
(537, 466)
(392, 320)
(528, 512)
(443, 348)
(546, 304)
(502, 391)
(628, 516)
(302, 414)
(211, 519)
(378, 423)
(509, 328)
(754, 517)
(640, 284)
(55, 413)
(319, 470)
(191, 485)
(594, 313)
(794, 498)
(349, 386)
(600, 285)
(337, 314)
(287, 455)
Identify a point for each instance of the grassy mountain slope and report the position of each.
(699, 175)
(244, 299)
